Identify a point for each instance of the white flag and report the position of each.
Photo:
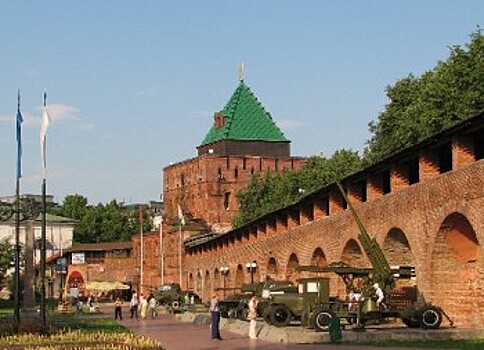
(180, 216)
(44, 125)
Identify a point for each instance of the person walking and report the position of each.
(143, 306)
(133, 305)
(215, 313)
(118, 308)
(152, 307)
(252, 316)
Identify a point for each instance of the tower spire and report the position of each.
(241, 72)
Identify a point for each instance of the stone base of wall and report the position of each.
(297, 334)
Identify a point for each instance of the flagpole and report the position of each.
(142, 251)
(180, 254)
(162, 259)
(182, 223)
(43, 243)
(17, 219)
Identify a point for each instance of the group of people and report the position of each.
(143, 307)
(138, 307)
(215, 316)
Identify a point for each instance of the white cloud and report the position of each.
(64, 114)
(59, 114)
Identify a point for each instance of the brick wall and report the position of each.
(411, 225)
(206, 186)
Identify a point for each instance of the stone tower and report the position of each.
(243, 141)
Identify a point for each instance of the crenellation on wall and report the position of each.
(463, 152)
(429, 165)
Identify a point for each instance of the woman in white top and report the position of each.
(252, 316)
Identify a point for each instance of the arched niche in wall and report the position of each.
(397, 249)
(397, 252)
(239, 276)
(456, 272)
(271, 271)
(216, 279)
(207, 286)
(319, 258)
(190, 281)
(353, 255)
(292, 274)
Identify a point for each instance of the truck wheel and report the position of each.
(320, 320)
(280, 316)
(431, 318)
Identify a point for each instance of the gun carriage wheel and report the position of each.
(431, 318)
(321, 319)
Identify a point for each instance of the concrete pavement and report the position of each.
(174, 334)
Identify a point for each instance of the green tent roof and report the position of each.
(245, 119)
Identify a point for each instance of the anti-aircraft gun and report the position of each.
(415, 315)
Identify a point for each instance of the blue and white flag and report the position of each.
(44, 126)
(19, 121)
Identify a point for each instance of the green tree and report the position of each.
(421, 106)
(6, 259)
(74, 207)
(101, 223)
(273, 191)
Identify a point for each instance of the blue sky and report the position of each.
(133, 85)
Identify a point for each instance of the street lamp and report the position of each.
(224, 270)
(251, 267)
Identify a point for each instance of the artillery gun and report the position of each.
(413, 315)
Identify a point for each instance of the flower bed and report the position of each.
(77, 340)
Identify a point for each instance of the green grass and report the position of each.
(64, 331)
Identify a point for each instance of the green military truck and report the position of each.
(304, 304)
(174, 298)
(236, 305)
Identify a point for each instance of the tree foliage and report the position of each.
(101, 223)
(275, 190)
(421, 106)
(6, 259)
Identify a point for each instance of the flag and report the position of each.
(18, 123)
(180, 216)
(44, 125)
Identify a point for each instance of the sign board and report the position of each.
(78, 258)
(61, 265)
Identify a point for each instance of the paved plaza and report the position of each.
(174, 334)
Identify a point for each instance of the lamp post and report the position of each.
(251, 267)
(224, 270)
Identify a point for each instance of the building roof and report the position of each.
(104, 246)
(244, 119)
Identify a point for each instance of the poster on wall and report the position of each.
(78, 258)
